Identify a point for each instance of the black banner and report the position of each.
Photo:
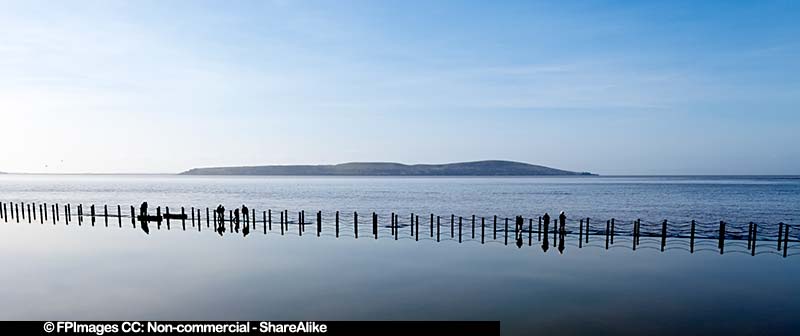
(100, 328)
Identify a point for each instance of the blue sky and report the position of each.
(612, 87)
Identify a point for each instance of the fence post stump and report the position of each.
(755, 232)
(691, 238)
(663, 235)
(355, 224)
(721, 236)
(506, 230)
(337, 224)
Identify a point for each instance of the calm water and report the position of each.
(70, 272)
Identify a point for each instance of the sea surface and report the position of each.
(67, 272)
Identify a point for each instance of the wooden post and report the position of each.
(208, 218)
(452, 229)
(166, 212)
(459, 229)
(780, 235)
(54, 209)
(506, 235)
(663, 235)
(755, 233)
(80, 214)
(303, 220)
(396, 226)
(530, 231)
(691, 238)
(539, 230)
(66, 213)
(580, 237)
(58, 214)
(119, 215)
(786, 240)
(192, 209)
(721, 236)
(438, 225)
(608, 226)
(199, 224)
(391, 224)
(91, 209)
(133, 217)
(431, 225)
(319, 223)
(337, 224)
(105, 213)
(29, 213)
(375, 225)
(300, 222)
(282, 223)
(355, 224)
(412, 224)
(269, 218)
(587, 231)
(45, 213)
(22, 205)
(183, 218)
(483, 231)
(473, 226)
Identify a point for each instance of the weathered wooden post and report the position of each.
(54, 209)
(199, 223)
(459, 229)
(452, 229)
(580, 236)
(608, 225)
(91, 209)
(786, 240)
(29, 213)
(506, 230)
(133, 217)
(183, 218)
(721, 236)
(587, 231)
(396, 226)
(539, 230)
(22, 205)
(337, 224)
(663, 235)
(412, 224)
(192, 210)
(375, 225)
(281, 222)
(269, 218)
(473, 226)
(530, 231)
(80, 214)
(105, 213)
(319, 223)
(691, 238)
(67, 218)
(483, 229)
(301, 222)
(58, 214)
(431, 225)
(167, 217)
(755, 232)
(119, 215)
(208, 219)
(780, 235)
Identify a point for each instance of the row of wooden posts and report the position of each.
(558, 232)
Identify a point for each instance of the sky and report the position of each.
(609, 87)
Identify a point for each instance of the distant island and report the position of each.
(477, 168)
